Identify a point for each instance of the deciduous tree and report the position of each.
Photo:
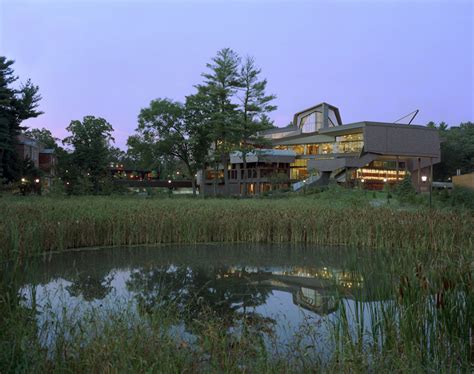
(90, 141)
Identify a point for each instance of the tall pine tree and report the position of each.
(16, 105)
(253, 110)
(220, 86)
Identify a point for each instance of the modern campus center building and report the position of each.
(318, 148)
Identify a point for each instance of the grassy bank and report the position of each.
(34, 225)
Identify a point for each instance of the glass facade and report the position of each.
(312, 122)
(343, 144)
(332, 118)
(299, 169)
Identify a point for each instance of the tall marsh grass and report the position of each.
(36, 225)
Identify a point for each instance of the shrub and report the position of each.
(405, 191)
(461, 196)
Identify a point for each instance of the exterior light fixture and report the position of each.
(385, 180)
(67, 183)
(177, 172)
(169, 180)
(37, 180)
(23, 180)
(424, 178)
(362, 180)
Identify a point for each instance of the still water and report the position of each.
(287, 291)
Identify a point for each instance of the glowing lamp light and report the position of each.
(385, 180)
(177, 172)
(362, 180)
(37, 180)
(23, 180)
(424, 178)
(67, 183)
(169, 180)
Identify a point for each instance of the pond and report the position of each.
(286, 293)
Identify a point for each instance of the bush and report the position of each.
(461, 196)
(405, 191)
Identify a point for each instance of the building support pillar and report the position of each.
(431, 180)
(398, 162)
(418, 178)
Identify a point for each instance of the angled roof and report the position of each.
(276, 130)
(335, 109)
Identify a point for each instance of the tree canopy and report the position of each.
(457, 149)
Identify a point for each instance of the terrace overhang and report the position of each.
(264, 155)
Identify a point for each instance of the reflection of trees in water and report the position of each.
(197, 294)
(91, 287)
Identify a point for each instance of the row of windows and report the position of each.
(325, 148)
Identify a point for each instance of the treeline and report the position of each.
(224, 114)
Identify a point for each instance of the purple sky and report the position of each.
(375, 60)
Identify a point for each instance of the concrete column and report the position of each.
(398, 161)
(431, 179)
(418, 179)
(325, 116)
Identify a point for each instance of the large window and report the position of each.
(312, 149)
(312, 122)
(351, 143)
(325, 148)
(299, 169)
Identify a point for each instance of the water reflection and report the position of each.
(273, 288)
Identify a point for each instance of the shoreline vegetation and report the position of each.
(426, 326)
(42, 224)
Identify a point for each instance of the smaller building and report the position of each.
(42, 158)
(265, 170)
(464, 180)
(118, 171)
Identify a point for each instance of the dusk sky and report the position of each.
(375, 60)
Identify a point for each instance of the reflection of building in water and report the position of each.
(313, 288)
(312, 299)
(340, 277)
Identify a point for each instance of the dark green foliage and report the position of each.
(165, 126)
(16, 105)
(87, 165)
(463, 197)
(405, 191)
(457, 150)
(44, 136)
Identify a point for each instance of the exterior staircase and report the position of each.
(313, 180)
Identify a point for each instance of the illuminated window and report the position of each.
(325, 148)
(312, 149)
